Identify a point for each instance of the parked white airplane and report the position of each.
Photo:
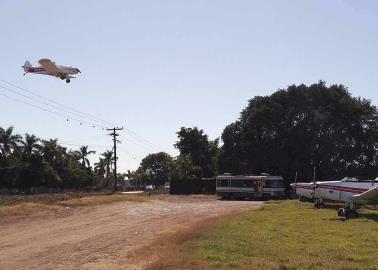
(354, 193)
(50, 68)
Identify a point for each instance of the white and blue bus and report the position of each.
(250, 186)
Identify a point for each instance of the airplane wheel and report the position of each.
(321, 205)
(62, 77)
(341, 212)
(68, 81)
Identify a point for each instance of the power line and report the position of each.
(79, 145)
(66, 109)
(140, 138)
(146, 147)
(47, 104)
(103, 136)
(43, 109)
(72, 110)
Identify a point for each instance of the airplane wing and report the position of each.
(368, 197)
(50, 67)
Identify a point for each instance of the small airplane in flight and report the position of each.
(352, 192)
(50, 68)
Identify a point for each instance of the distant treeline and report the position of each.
(287, 133)
(28, 162)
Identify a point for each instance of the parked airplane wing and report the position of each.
(50, 67)
(368, 197)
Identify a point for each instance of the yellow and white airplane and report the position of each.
(50, 68)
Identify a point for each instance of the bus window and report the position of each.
(274, 184)
(223, 183)
(237, 183)
(249, 184)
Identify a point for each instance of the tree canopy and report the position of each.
(157, 168)
(28, 162)
(195, 144)
(301, 127)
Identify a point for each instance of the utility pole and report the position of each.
(115, 135)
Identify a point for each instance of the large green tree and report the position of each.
(203, 153)
(157, 167)
(301, 127)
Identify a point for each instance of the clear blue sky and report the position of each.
(154, 66)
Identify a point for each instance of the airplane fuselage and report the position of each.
(341, 191)
(41, 70)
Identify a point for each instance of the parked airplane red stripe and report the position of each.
(305, 187)
(346, 189)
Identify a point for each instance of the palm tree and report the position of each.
(108, 158)
(84, 153)
(74, 155)
(30, 145)
(100, 167)
(8, 140)
(51, 150)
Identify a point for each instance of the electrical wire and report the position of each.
(98, 122)
(43, 109)
(47, 110)
(63, 107)
(146, 147)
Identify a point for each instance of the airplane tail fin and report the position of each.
(27, 65)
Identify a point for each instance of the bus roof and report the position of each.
(249, 177)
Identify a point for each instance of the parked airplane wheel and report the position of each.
(68, 81)
(62, 77)
(321, 206)
(341, 212)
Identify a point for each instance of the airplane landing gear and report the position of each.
(68, 81)
(62, 77)
(347, 213)
(319, 204)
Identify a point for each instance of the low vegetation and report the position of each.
(26, 205)
(287, 235)
(103, 199)
(25, 208)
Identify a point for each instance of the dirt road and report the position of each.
(102, 237)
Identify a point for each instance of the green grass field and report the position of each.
(281, 235)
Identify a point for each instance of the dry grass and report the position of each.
(288, 235)
(103, 199)
(23, 209)
(20, 206)
(48, 198)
